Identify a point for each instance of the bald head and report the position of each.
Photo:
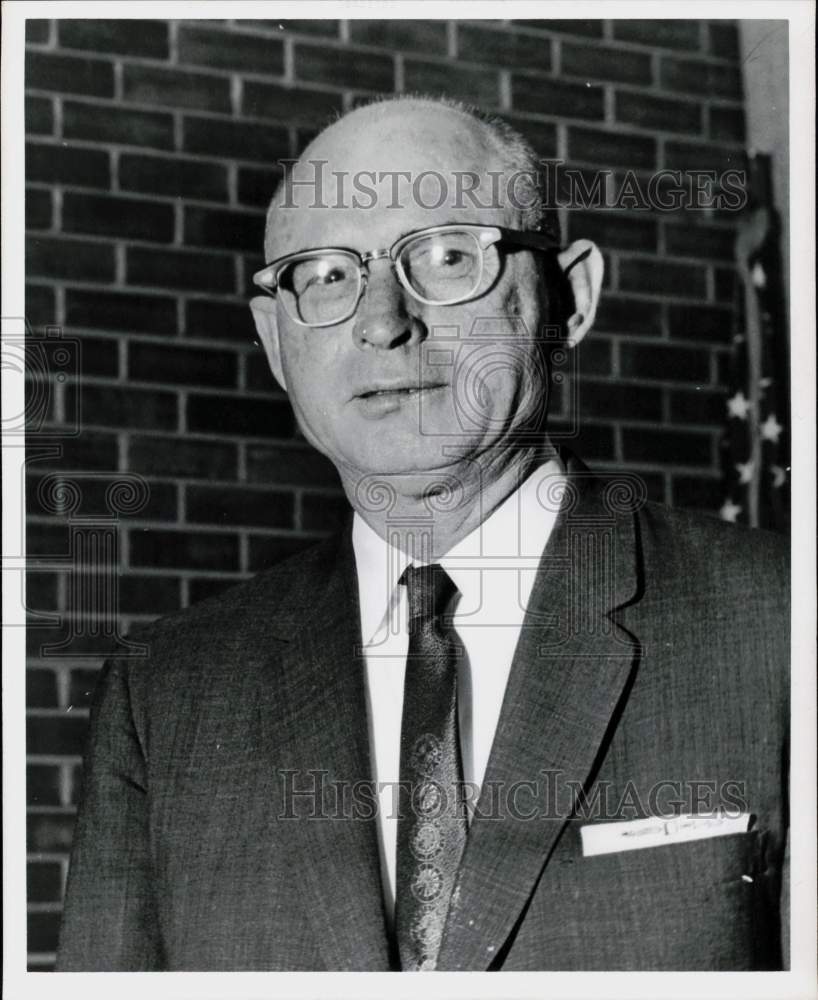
(407, 154)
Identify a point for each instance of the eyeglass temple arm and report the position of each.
(537, 241)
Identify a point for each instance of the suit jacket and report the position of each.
(654, 655)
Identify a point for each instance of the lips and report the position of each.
(397, 389)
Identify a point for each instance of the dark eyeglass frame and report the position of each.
(268, 277)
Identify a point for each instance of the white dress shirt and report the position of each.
(494, 569)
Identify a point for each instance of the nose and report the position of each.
(382, 320)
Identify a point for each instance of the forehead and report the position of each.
(371, 178)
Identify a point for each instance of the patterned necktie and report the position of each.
(432, 821)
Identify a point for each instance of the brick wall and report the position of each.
(150, 156)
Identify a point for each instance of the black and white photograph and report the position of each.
(409, 499)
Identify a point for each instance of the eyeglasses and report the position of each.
(439, 266)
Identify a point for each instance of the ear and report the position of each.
(582, 264)
(264, 313)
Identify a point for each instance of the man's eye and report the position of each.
(331, 277)
(450, 258)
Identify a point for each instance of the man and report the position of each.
(572, 703)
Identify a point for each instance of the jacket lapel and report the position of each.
(569, 675)
(316, 721)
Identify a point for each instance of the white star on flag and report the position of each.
(771, 429)
(729, 511)
(738, 406)
(779, 476)
(745, 471)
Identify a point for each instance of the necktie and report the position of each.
(432, 822)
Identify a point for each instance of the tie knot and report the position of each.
(428, 589)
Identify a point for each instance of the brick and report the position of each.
(113, 123)
(120, 311)
(88, 451)
(727, 123)
(183, 458)
(703, 156)
(176, 88)
(39, 208)
(723, 38)
(41, 591)
(176, 176)
(233, 505)
(117, 406)
(256, 186)
(80, 260)
(568, 100)
(38, 31)
(43, 881)
(696, 76)
(239, 416)
(46, 833)
(541, 135)
(127, 38)
(296, 466)
(617, 314)
(595, 442)
(184, 550)
(427, 37)
(257, 374)
(476, 85)
(324, 512)
(111, 215)
(95, 498)
(149, 595)
(662, 277)
(616, 229)
(658, 112)
(619, 400)
(82, 684)
(599, 62)
(219, 320)
(266, 550)
(344, 67)
(40, 304)
(223, 229)
(666, 447)
(230, 50)
(56, 734)
(153, 362)
(181, 269)
(587, 28)
(666, 362)
(511, 49)
(659, 34)
(98, 355)
(236, 140)
(69, 74)
(594, 356)
(698, 492)
(611, 148)
(43, 931)
(698, 407)
(41, 688)
(42, 785)
(39, 115)
(62, 164)
(701, 322)
(201, 588)
(315, 26)
(289, 104)
(700, 241)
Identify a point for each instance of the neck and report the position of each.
(426, 514)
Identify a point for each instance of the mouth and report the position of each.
(398, 391)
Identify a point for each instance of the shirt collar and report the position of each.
(497, 541)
